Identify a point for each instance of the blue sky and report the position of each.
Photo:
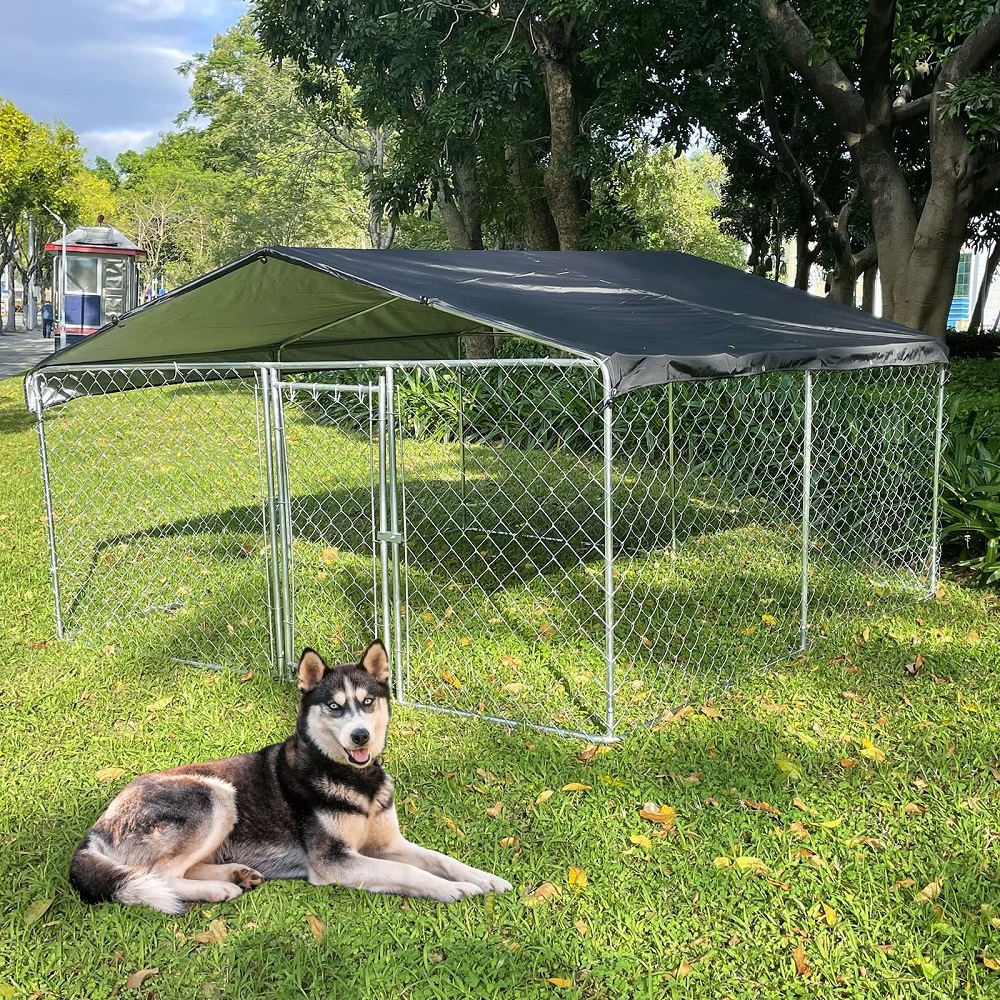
(107, 68)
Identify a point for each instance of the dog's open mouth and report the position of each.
(360, 756)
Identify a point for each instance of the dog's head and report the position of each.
(344, 711)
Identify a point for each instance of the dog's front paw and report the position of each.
(452, 892)
(488, 882)
(493, 883)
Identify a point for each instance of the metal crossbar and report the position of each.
(532, 547)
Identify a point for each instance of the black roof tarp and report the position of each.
(650, 317)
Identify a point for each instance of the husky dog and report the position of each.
(318, 806)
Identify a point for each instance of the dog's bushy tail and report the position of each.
(101, 879)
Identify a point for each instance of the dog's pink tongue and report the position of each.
(360, 756)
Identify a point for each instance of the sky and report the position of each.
(106, 68)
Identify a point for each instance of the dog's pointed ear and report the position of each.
(376, 661)
(311, 669)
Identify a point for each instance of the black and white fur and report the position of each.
(318, 806)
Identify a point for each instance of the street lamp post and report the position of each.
(62, 280)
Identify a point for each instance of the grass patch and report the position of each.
(853, 783)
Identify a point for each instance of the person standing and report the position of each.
(48, 317)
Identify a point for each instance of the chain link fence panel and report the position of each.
(535, 550)
(156, 505)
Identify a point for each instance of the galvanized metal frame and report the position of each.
(389, 506)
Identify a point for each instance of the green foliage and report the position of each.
(674, 199)
(970, 497)
(251, 166)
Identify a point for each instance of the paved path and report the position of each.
(21, 350)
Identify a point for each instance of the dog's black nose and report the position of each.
(360, 737)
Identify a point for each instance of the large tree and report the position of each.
(508, 114)
(881, 78)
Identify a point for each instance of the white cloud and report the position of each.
(110, 142)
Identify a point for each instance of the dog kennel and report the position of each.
(664, 473)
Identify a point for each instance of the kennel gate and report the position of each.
(532, 548)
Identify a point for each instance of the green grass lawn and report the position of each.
(831, 825)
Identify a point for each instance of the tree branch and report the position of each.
(908, 111)
(979, 49)
(822, 73)
(825, 218)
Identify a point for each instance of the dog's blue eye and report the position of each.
(336, 709)
(368, 702)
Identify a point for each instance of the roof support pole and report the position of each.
(330, 326)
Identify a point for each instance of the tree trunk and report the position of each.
(844, 282)
(538, 228)
(460, 208)
(868, 290)
(562, 185)
(11, 311)
(976, 321)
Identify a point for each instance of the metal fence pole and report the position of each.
(397, 537)
(47, 491)
(279, 656)
(935, 514)
(806, 504)
(383, 526)
(672, 459)
(286, 598)
(609, 559)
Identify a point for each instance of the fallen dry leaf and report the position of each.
(545, 891)
(581, 927)
(914, 809)
(576, 786)
(451, 679)
(106, 774)
(710, 712)
(577, 877)
(544, 796)
(829, 914)
(510, 842)
(991, 963)
(682, 970)
(872, 752)
(450, 824)
(247, 675)
(495, 809)
(559, 981)
(316, 925)
(216, 933)
(761, 807)
(34, 911)
(929, 892)
(904, 883)
(798, 830)
(136, 980)
(640, 841)
(748, 863)
(799, 958)
(666, 816)
(587, 754)
(847, 763)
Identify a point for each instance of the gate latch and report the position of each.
(389, 536)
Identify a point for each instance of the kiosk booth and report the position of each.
(101, 280)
